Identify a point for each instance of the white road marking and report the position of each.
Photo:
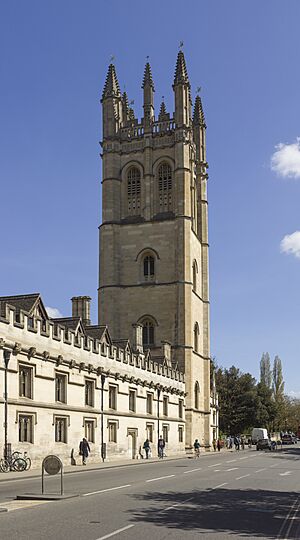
(105, 490)
(217, 470)
(214, 465)
(232, 469)
(287, 473)
(287, 518)
(260, 470)
(231, 461)
(192, 470)
(244, 476)
(19, 504)
(160, 478)
(220, 485)
(174, 505)
(244, 457)
(115, 532)
(275, 465)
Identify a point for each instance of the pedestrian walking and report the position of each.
(237, 443)
(84, 450)
(146, 447)
(214, 443)
(219, 445)
(197, 448)
(161, 446)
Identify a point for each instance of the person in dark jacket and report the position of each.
(161, 446)
(146, 447)
(84, 450)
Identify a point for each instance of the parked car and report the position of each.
(263, 444)
(289, 438)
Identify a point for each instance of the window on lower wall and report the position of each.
(112, 431)
(166, 433)
(180, 434)
(89, 393)
(150, 432)
(112, 397)
(165, 405)
(180, 408)
(61, 387)
(132, 400)
(149, 403)
(89, 430)
(25, 381)
(26, 428)
(61, 429)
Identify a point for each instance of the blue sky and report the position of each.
(245, 56)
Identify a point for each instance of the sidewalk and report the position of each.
(68, 469)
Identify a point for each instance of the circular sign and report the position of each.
(52, 464)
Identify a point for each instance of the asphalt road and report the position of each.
(247, 494)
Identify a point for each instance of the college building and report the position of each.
(144, 370)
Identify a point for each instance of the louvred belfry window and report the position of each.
(165, 187)
(134, 191)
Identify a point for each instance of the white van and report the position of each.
(259, 433)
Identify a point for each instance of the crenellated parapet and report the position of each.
(46, 340)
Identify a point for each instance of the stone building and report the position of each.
(144, 370)
(154, 237)
(68, 379)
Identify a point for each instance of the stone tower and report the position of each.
(154, 238)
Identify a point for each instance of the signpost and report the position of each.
(52, 465)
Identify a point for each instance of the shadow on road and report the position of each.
(251, 513)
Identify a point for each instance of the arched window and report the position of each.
(148, 267)
(195, 272)
(197, 393)
(134, 191)
(148, 333)
(165, 187)
(196, 337)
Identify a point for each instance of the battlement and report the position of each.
(21, 331)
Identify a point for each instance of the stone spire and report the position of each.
(147, 80)
(111, 104)
(148, 87)
(198, 118)
(111, 86)
(181, 87)
(125, 107)
(163, 115)
(181, 74)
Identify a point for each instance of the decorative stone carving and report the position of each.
(46, 355)
(17, 348)
(31, 352)
(72, 364)
(81, 366)
(59, 360)
(2, 343)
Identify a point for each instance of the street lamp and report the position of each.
(103, 449)
(6, 357)
(158, 396)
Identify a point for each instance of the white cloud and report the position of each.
(53, 313)
(291, 244)
(293, 394)
(286, 159)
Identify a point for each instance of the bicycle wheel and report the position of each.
(4, 465)
(28, 463)
(15, 455)
(19, 465)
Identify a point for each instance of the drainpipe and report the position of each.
(103, 450)
(6, 357)
(158, 396)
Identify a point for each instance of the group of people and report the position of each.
(84, 449)
(237, 441)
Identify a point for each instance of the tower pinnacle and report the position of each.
(181, 74)
(198, 117)
(111, 86)
(148, 87)
(147, 80)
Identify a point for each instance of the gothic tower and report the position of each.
(154, 238)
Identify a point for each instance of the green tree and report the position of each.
(265, 370)
(266, 411)
(237, 400)
(278, 393)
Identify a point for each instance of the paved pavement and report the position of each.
(246, 495)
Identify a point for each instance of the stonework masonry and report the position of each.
(144, 369)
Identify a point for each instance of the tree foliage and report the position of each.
(265, 370)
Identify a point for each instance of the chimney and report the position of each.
(138, 337)
(81, 307)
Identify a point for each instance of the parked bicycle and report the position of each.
(15, 462)
(25, 456)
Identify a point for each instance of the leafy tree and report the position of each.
(266, 411)
(265, 370)
(237, 400)
(278, 393)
